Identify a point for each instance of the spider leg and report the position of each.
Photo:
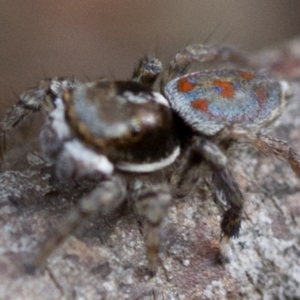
(269, 145)
(224, 181)
(185, 176)
(151, 204)
(147, 70)
(17, 113)
(104, 199)
(202, 54)
(39, 97)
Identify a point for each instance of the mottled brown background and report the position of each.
(95, 38)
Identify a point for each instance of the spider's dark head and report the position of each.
(125, 120)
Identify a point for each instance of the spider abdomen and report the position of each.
(210, 100)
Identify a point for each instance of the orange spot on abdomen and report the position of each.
(227, 88)
(200, 104)
(184, 85)
(246, 75)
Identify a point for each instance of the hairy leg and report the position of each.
(151, 204)
(105, 198)
(39, 97)
(202, 54)
(148, 69)
(270, 146)
(187, 172)
(226, 183)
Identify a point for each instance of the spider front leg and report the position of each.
(104, 199)
(269, 146)
(225, 182)
(40, 97)
(151, 205)
(147, 71)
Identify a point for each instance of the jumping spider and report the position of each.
(165, 123)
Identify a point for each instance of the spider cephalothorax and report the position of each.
(181, 117)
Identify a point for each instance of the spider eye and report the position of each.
(135, 130)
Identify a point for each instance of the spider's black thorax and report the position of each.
(126, 121)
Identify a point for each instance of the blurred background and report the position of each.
(94, 38)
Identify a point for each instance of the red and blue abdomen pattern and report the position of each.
(210, 100)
